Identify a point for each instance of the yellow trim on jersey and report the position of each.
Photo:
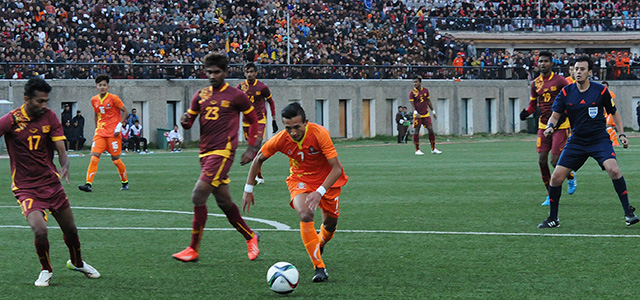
(261, 121)
(564, 125)
(306, 130)
(248, 111)
(224, 87)
(103, 98)
(58, 138)
(14, 187)
(226, 152)
(254, 82)
(424, 116)
(192, 112)
(24, 112)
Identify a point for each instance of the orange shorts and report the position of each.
(330, 202)
(111, 144)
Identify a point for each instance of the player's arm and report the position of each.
(552, 123)
(254, 140)
(533, 103)
(431, 109)
(272, 108)
(621, 135)
(123, 118)
(63, 159)
(247, 196)
(313, 199)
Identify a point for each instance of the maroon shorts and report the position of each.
(261, 130)
(417, 122)
(50, 197)
(554, 143)
(215, 169)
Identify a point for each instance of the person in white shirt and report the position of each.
(175, 139)
(136, 138)
(125, 136)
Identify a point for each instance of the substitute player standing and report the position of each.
(544, 89)
(32, 132)
(109, 113)
(219, 106)
(258, 93)
(315, 181)
(422, 110)
(585, 103)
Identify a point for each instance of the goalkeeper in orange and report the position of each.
(110, 113)
(315, 181)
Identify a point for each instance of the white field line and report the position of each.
(281, 227)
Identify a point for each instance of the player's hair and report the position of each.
(418, 77)
(293, 110)
(102, 78)
(250, 65)
(216, 59)
(547, 54)
(36, 84)
(399, 106)
(587, 59)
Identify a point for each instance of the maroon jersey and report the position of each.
(543, 92)
(219, 117)
(258, 92)
(420, 99)
(30, 144)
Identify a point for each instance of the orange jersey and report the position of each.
(107, 110)
(307, 158)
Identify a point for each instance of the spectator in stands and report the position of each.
(136, 137)
(175, 139)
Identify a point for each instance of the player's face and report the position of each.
(295, 127)
(102, 87)
(250, 74)
(581, 71)
(416, 83)
(545, 64)
(216, 76)
(36, 105)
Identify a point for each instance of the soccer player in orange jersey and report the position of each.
(109, 113)
(422, 111)
(315, 181)
(258, 93)
(544, 90)
(611, 125)
(32, 132)
(219, 107)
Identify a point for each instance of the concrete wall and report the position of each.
(492, 105)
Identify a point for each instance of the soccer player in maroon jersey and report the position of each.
(258, 93)
(422, 111)
(32, 132)
(544, 90)
(219, 106)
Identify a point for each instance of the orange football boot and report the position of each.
(187, 255)
(252, 246)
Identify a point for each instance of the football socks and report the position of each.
(42, 249)
(93, 168)
(199, 220)
(122, 170)
(236, 220)
(325, 236)
(546, 175)
(621, 189)
(554, 198)
(311, 243)
(73, 243)
(432, 140)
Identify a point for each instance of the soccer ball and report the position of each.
(282, 277)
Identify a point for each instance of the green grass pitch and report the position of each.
(460, 225)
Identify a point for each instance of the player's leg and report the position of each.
(620, 186)
(416, 135)
(555, 191)
(115, 149)
(560, 137)
(38, 223)
(230, 209)
(432, 136)
(199, 196)
(309, 236)
(543, 146)
(65, 220)
(330, 206)
(98, 146)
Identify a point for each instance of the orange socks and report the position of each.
(311, 243)
(325, 236)
(93, 168)
(122, 170)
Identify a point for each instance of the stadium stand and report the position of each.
(143, 39)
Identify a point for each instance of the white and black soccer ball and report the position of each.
(282, 277)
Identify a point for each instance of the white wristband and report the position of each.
(118, 128)
(433, 111)
(248, 188)
(321, 190)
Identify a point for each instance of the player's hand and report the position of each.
(274, 124)
(624, 141)
(247, 201)
(524, 114)
(184, 119)
(64, 173)
(434, 115)
(313, 199)
(116, 134)
(247, 156)
(548, 131)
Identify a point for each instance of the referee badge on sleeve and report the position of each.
(593, 112)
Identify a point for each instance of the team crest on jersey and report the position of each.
(225, 103)
(554, 88)
(538, 83)
(204, 94)
(46, 128)
(244, 87)
(258, 93)
(593, 112)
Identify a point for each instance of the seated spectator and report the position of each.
(126, 132)
(175, 139)
(136, 138)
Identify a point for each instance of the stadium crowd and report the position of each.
(142, 39)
